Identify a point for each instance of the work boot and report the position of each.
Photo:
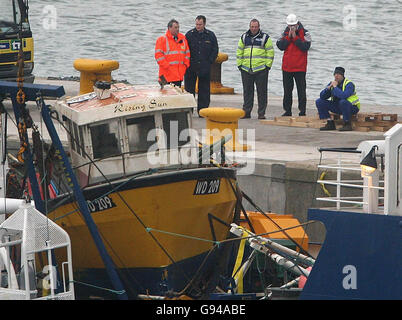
(329, 126)
(347, 126)
(287, 114)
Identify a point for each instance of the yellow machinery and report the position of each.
(15, 33)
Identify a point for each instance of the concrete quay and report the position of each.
(284, 177)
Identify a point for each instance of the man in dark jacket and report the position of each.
(295, 42)
(203, 52)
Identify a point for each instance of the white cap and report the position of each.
(291, 19)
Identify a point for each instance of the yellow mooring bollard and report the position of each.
(216, 86)
(221, 122)
(93, 70)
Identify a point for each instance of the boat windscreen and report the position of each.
(138, 129)
(174, 125)
(105, 140)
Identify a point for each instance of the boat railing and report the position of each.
(369, 185)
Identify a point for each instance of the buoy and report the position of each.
(221, 122)
(93, 70)
(216, 86)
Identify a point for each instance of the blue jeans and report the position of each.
(343, 107)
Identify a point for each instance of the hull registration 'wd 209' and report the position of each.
(207, 186)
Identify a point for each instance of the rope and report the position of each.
(232, 239)
(182, 235)
(322, 176)
(100, 288)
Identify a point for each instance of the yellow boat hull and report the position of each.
(153, 222)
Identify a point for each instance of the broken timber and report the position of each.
(361, 122)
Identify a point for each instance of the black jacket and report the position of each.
(203, 50)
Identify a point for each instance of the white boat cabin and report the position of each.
(114, 128)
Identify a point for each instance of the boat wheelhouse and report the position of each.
(127, 129)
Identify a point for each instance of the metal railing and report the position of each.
(370, 186)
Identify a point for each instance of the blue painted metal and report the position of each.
(32, 92)
(360, 258)
(28, 159)
(8, 88)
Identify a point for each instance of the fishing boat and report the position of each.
(156, 201)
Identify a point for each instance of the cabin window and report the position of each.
(71, 133)
(105, 140)
(138, 129)
(174, 124)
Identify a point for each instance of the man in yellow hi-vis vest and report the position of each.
(255, 54)
(343, 100)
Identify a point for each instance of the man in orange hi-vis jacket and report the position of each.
(172, 55)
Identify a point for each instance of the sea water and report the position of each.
(362, 36)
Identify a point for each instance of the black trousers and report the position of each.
(261, 82)
(288, 84)
(204, 87)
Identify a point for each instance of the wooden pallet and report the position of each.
(362, 122)
(299, 122)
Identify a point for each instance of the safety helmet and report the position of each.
(291, 19)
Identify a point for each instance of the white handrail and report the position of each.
(363, 184)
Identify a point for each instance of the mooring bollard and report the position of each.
(221, 122)
(216, 86)
(93, 70)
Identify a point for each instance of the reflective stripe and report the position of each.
(262, 67)
(257, 57)
(161, 58)
(176, 62)
(159, 50)
(167, 45)
(245, 68)
(354, 101)
(269, 48)
(259, 68)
